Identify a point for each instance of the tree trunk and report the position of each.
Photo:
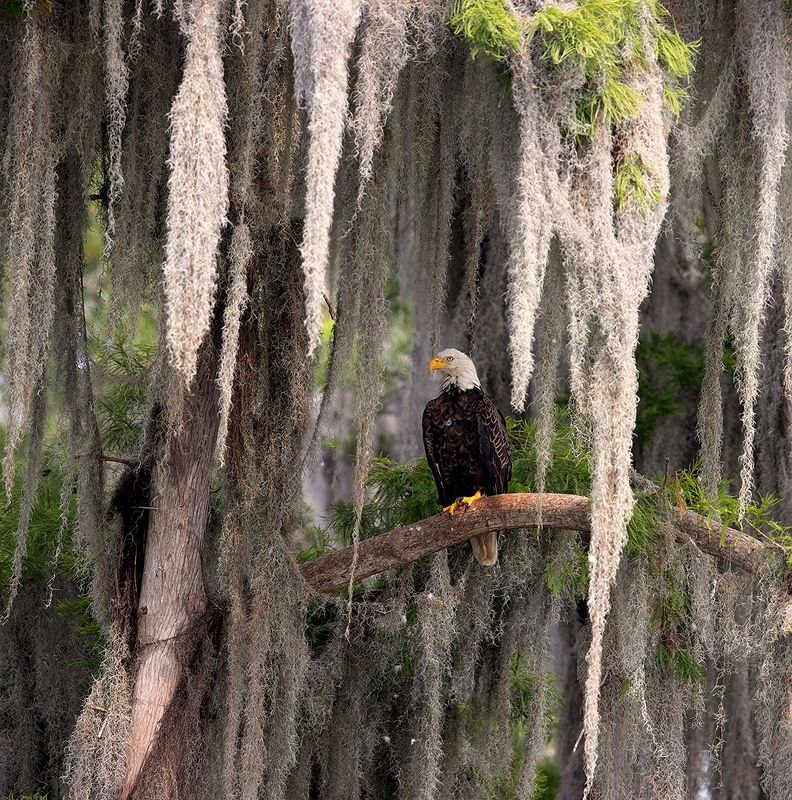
(172, 609)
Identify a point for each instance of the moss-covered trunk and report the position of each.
(171, 614)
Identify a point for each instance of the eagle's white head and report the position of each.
(456, 369)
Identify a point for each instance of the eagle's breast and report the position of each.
(451, 434)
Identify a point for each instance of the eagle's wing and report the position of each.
(494, 446)
(429, 432)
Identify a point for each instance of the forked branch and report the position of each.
(509, 512)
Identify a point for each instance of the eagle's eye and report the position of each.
(450, 358)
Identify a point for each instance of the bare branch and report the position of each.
(330, 309)
(118, 460)
(507, 512)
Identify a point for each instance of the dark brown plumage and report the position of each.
(468, 451)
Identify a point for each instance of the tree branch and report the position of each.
(507, 512)
(118, 460)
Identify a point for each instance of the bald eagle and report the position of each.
(466, 444)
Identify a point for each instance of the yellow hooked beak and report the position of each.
(437, 363)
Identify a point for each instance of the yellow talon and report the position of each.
(462, 503)
(468, 501)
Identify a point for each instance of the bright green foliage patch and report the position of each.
(605, 39)
(51, 554)
(674, 97)
(593, 37)
(318, 544)
(635, 184)
(35, 796)
(489, 26)
(669, 369)
(523, 691)
(674, 617)
(569, 471)
(680, 662)
(122, 407)
(46, 529)
(14, 10)
(403, 494)
(674, 54)
(569, 578)
(642, 527)
(547, 781)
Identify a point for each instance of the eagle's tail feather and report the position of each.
(485, 548)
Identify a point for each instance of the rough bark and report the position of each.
(507, 512)
(774, 457)
(173, 601)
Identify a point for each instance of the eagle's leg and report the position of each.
(461, 503)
